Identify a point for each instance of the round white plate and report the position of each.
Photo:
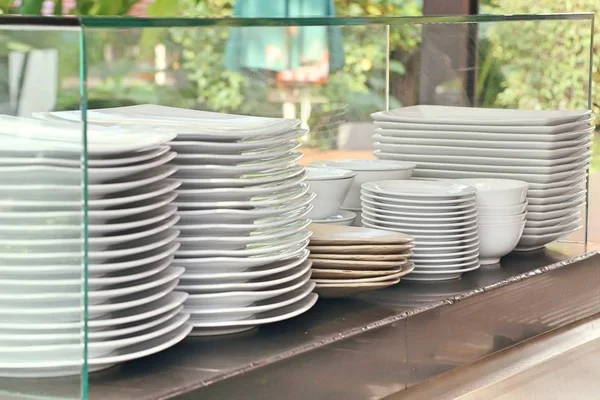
(241, 194)
(422, 236)
(421, 221)
(192, 287)
(424, 209)
(247, 180)
(265, 270)
(424, 228)
(204, 328)
(425, 249)
(340, 218)
(264, 143)
(199, 158)
(425, 217)
(259, 249)
(259, 225)
(501, 142)
(435, 190)
(244, 298)
(385, 200)
(235, 171)
(434, 243)
(419, 256)
(195, 243)
(234, 264)
(240, 313)
(255, 202)
(227, 216)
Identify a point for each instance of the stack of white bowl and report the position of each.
(441, 216)
(502, 205)
(330, 185)
(243, 208)
(550, 150)
(366, 171)
(133, 309)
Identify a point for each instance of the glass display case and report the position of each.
(75, 257)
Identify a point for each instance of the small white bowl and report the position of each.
(341, 217)
(502, 219)
(497, 192)
(331, 185)
(497, 240)
(502, 211)
(367, 171)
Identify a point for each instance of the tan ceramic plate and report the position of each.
(348, 273)
(361, 249)
(329, 291)
(362, 257)
(328, 234)
(357, 265)
(397, 275)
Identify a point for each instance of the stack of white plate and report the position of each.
(243, 207)
(548, 149)
(441, 216)
(133, 309)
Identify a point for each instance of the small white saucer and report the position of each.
(342, 217)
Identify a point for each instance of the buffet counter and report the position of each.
(369, 346)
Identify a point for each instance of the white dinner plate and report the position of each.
(241, 193)
(420, 256)
(264, 248)
(439, 275)
(548, 215)
(436, 190)
(217, 273)
(257, 226)
(418, 223)
(242, 264)
(433, 114)
(255, 202)
(421, 235)
(204, 242)
(189, 124)
(564, 226)
(425, 218)
(236, 171)
(264, 143)
(246, 180)
(245, 298)
(193, 287)
(462, 207)
(474, 155)
(205, 328)
(241, 313)
(573, 215)
(225, 216)
(569, 186)
(385, 200)
(269, 153)
(566, 133)
(529, 130)
(500, 141)
(572, 204)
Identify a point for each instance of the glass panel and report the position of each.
(42, 216)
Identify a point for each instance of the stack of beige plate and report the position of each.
(348, 259)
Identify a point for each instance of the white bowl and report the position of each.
(331, 185)
(341, 217)
(497, 192)
(502, 211)
(367, 171)
(497, 240)
(502, 219)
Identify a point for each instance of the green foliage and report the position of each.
(546, 63)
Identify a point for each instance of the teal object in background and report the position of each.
(284, 48)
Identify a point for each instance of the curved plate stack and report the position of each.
(243, 207)
(441, 216)
(548, 149)
(133, 308)
(348, 260)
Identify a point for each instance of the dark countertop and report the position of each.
(199, 362)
